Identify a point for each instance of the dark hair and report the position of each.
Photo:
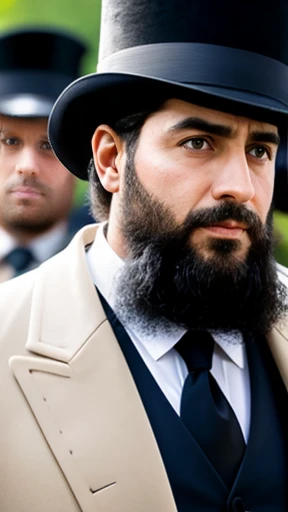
(128, 129)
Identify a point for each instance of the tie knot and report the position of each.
(196, 348)
(19, 258)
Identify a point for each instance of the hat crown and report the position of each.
(259, 26)
(36, 64)
(35, 48)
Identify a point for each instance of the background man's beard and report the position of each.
(165, 279)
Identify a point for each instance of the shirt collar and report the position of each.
(42, 247)
(104, 265)
(7, 243)
(232, 344)
(48, 244)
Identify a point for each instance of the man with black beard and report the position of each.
(145, 367)
(177, 283)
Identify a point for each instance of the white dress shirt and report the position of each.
(42, 247)
(229, 365)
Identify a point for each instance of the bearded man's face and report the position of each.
(196, 218)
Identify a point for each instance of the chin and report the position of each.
(226, 247)
(225, 261)
(29, 223)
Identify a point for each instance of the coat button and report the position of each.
(238, 505)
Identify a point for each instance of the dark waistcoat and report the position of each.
(261, 484)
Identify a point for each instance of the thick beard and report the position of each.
(165, 280)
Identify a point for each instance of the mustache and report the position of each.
(28, 182)
(161, 228)
(205, 217)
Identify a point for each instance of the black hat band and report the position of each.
(205, 64)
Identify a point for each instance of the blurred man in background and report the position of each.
(36, 190)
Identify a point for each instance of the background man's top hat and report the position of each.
(224, 55)
(36, 64)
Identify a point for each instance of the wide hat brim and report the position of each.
(105, 97)
(26, 106)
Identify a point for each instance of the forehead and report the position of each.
(21, 124)
(174, 110)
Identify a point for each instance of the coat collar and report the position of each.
(65, 308)
(278, 343)
(101, 436)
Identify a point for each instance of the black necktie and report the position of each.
(20, 259)
(205, 410)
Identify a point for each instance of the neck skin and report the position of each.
(114, 234)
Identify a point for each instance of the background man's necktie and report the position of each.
(205, 410)
(20, 259)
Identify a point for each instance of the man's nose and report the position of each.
(27, 163)
(234, 180)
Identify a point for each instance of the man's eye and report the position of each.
(46, 145)
(197, 143)
(9, 141)
(260, 152)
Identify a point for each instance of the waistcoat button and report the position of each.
(238, 505)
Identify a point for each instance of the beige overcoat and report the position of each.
(73, 431)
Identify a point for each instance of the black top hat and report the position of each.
(36, 64)
(216, 53)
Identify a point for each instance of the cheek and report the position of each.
(2, 185)
(177, 186)
(7, 174)
(264, 187)
(7, 165)
(61, 177)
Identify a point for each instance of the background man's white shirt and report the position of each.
(43, 246)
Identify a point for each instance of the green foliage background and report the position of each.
(82, 17)
(281, 235)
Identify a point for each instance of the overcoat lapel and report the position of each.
(82, 394)
(278, 342)
(278, 337)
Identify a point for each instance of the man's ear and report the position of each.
(106, 147)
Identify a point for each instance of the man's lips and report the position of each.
(23, 192)
(227, 229)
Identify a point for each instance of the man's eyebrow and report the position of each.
(265, 137)
(196, 123)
